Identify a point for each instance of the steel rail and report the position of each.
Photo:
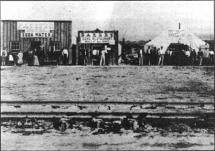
(212, 113)
(107, 102)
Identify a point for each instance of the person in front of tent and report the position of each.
(141, 57)
(170, 56)
(200, 56)
(102, 59)
(166, 56)
(3, 57)
(158, 56)
(193, 57)
(211, 57)
(153, 56)
(20, 58)
(161, 56)
(65, 55)
(148, 56)
(205, 60)
(187, 54)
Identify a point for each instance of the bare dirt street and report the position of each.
(120, 83)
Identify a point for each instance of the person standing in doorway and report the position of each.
(36, 61)
(65, 55)
(85, 57)
(30, 57)
(102, 60)
(51, 51)
(40, 54)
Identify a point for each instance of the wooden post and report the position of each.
(77, 50)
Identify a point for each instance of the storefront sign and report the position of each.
(107, 37)
(35, 29)
(176, 33)
(32, 35)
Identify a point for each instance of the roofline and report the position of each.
(93, 31)
(4, 20)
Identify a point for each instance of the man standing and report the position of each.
(200, 56)
(102, 60)
(65, 55)
(193, 57)
(161, 56)
(85, 57)
(41, 55)
(141, 58)
(211, 56)
(187, 54)
(51, 51)
(148, 54)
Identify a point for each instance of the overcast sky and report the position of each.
(135, 20)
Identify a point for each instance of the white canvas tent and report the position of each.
(177, 36)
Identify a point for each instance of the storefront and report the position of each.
(91, 43)
(25, 35)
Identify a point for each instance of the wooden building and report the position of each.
(91, 43)
(23, 35)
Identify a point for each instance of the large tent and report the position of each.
(178, 36)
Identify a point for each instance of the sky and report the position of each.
(135, 20)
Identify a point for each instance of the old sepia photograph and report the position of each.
(107, 75)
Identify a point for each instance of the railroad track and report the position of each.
(45, 109)
(63, 114)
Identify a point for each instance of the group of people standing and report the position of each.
(158, 56)
(11, 58)
(99, 57)
(34, 57)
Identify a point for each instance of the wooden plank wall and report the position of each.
(10, 33)
(62, 33)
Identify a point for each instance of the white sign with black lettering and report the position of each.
(105, 37)
(35, 29)
(176, 33)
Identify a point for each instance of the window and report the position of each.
(57, 45)
(15, 45)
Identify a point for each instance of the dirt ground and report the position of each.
(82, 140)
(118, 83)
